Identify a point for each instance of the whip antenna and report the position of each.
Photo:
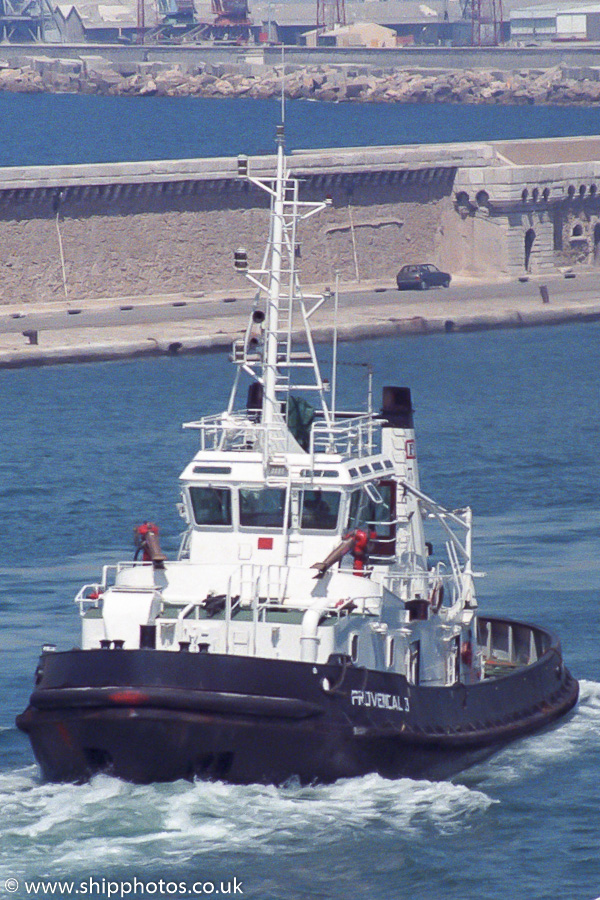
(282, 85)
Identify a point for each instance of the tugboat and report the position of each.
(307, 629)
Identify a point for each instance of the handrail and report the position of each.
(352, 437)
(240, 431)
(88, 602)
(355, 436)
(400, 583)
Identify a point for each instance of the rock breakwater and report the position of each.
(96, 75)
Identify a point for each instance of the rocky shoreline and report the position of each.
(96, 75)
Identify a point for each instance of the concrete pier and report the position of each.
(177, 324)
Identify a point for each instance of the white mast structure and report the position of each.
(271, 349)
(278, 281)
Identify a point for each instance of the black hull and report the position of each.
(149, 716)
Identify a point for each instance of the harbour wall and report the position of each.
(173, 226)
(362, 84)
(498, 209)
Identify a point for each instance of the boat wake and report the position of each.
(66, 830)
(571, 737)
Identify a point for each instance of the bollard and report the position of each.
(32, 336)
(544, 293)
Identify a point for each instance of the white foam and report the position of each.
(66, 827)
(567, 739)
(110, 821)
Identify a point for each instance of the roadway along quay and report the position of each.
(103, 329)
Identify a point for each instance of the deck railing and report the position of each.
(240, 431)
(426, 585)
(354, 437)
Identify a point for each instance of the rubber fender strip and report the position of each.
(169, 698)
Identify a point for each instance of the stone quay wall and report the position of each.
(170, 227)
(491, 209)
(576, 55)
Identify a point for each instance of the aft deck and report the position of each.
(508, 645)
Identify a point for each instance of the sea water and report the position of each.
(56, 129)
(507, 421)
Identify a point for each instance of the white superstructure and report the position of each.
(305, 524)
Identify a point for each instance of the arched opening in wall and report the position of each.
(597, 244)
(529, 240)
(577, 231)
(463, 205)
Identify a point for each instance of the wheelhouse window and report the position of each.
(373, 509)
(211, 505)
(262, 507)
(380, 515)
(320, 510)
(374, 512)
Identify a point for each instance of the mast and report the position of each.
(265, 353)
(270, 363)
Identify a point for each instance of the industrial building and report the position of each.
(555, 23)
(359, 34)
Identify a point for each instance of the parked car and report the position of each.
(421, 277)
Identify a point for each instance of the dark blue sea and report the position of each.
(53, 129)
(507, 422)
